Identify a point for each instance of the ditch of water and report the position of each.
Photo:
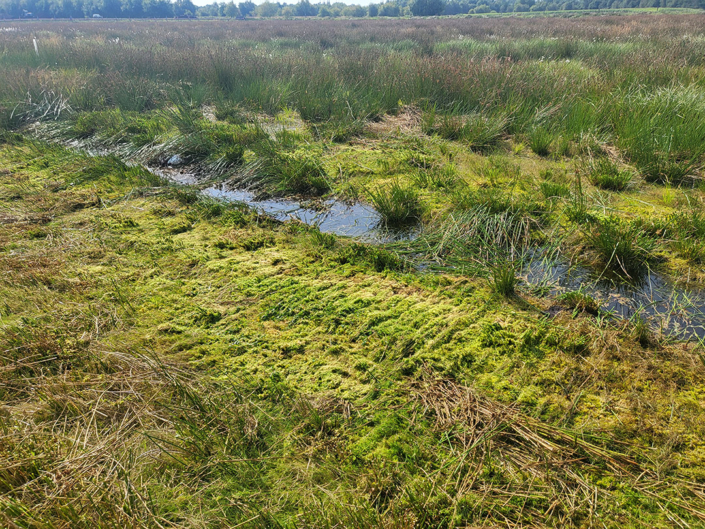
(350, 219)
(667, 307)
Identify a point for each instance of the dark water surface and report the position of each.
(667, 307)
(331, 216)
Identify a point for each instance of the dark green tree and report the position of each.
(305, 9)
(184, 7)
(132, 8)
(158, 8)
(427, 8)
(110, 8)
(390, 9)
(246, 8)
(231, 10)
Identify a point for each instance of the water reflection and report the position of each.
(331, 216)
(667, 307)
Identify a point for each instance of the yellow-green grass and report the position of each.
(170, 363)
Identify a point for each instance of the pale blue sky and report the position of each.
(349, 2)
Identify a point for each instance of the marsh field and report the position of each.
(353, 273)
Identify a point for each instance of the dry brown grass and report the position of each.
(85, 428)
(535, 459)
(407, 121)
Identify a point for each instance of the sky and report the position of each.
(349, 2)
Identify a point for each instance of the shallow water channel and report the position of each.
(331, 216)
(668, 308)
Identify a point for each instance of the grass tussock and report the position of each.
(397, 204)
(662, 134)
(554, 189)
(476, 241)
(624, 247)
(297, 172)
(606, 174)
(540, 140)
(481, 133)
(504, 278)
(580, 302)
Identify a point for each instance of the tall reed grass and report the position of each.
(636, 86)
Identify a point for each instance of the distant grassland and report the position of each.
(622, 80)
(169, 360)
(598, 12)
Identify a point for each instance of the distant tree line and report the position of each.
(394, 8)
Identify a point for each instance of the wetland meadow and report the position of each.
(430, 272)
